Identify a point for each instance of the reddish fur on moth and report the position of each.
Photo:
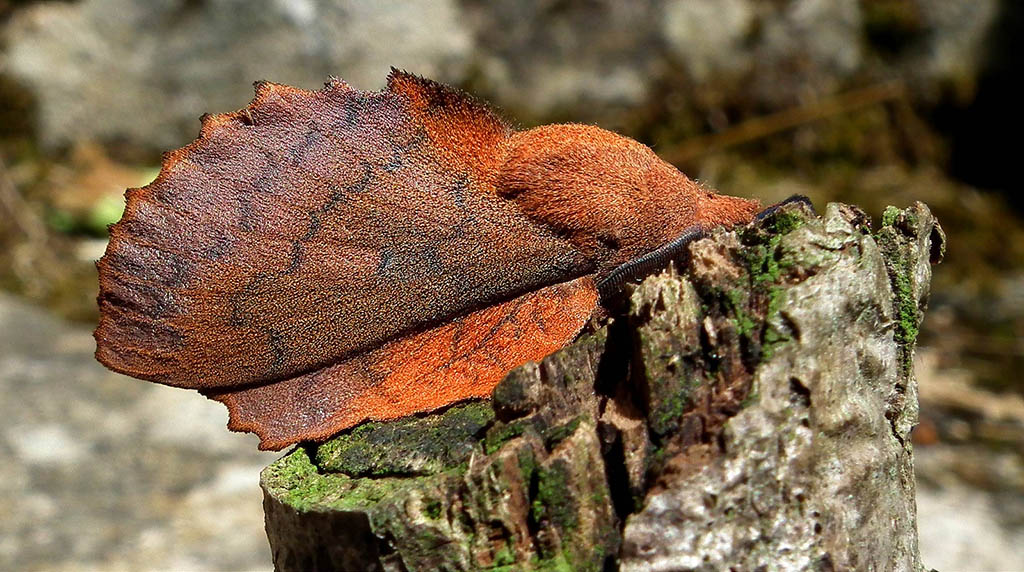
(322, 258)
(613, 196)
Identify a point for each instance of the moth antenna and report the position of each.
(645, 265)
(795, 199)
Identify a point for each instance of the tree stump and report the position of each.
(751, 410)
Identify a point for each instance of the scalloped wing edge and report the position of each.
(420, 92)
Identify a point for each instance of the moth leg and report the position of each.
(799, 199)
(648, 263)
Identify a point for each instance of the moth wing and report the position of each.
(311, 227)
(462, 359)
(464, 130)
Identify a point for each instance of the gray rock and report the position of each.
(784, 51)
(101, 471)
(963, 527)
(145, 71)
(141, 72)
(540, 57)
(954, 48)
(709, 36)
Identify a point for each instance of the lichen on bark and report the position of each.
(751, 409)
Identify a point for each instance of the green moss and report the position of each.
(354, 452)
(414, 445)
(736, 305)
(362, 494)
(302, 487)
(293, 468)
(775, 299)
(773, 338)
(785, 222)
(557, 563)
(500, 434)
(759, 262)
(553, 501)
(504, 559)
(295, 480)
(566, 561)
(762, 250)
(908, 315)
(433, 509)
(669, 384)
(772, 341)
(654, 462)
(668, 409)
(752, 398)
(527, 464)
(768, 262)
(890, 215)
(559, 433)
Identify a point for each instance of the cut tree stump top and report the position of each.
(752, 409)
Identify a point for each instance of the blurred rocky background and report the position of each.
(873, 102)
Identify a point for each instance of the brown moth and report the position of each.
(321, 258)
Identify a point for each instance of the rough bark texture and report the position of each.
(752, 410)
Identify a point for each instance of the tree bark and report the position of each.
(752, 410)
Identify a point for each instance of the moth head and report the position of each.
(613, 197)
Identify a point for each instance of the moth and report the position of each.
(322, 258)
